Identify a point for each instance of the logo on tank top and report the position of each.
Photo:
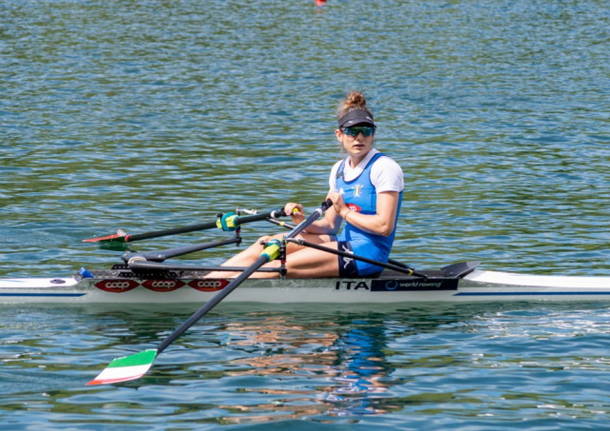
(346, 260)
(357, 190)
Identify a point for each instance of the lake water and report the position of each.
(144, 115)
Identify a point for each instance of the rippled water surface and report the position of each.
(152, 114)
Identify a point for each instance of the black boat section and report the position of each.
(447, 278)
(459, 270)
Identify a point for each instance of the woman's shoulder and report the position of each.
(332, 177)
(387, 175)
(335, 167)
(385, 162)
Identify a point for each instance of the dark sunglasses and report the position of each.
(354, 130)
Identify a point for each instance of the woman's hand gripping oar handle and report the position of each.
(318, 213)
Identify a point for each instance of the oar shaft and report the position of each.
(160, 256)
(258, 217)
(397, 268)
(212, 303)
(143, 265)
(166, 232)
(201, 226)
(122, 237)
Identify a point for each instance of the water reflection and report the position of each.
(270, 366)
(361, 366)
(344, 364)
(338, 366)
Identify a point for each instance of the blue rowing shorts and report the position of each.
(349, 267)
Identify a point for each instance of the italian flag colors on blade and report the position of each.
(126, 368)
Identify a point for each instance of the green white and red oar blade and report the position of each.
(126, 368)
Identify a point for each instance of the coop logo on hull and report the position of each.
(209, 285)
(162, 285)
(117, 285)
(123, 285)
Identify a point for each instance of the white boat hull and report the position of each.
(477, 286)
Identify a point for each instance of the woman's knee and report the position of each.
(264, 239)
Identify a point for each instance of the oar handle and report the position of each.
(318, 213)
(263, 216)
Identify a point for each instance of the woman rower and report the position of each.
(366, 191)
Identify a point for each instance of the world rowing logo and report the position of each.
(392, 285)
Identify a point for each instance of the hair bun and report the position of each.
(354, 99)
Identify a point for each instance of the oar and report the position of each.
(391, 261)
(162, 255)
(399, 268)
(138, 265)
(134, 366)
(226, 222)
(272, 220)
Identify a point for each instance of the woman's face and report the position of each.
(354, 141)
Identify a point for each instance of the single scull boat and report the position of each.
(143, 278)
(461, 282)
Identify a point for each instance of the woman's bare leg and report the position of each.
(310, 262)
(306, 261)
(244, 258)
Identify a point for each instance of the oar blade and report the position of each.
(120, 236)
(126, 368)
(113, 245)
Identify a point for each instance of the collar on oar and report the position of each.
(272, 250)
